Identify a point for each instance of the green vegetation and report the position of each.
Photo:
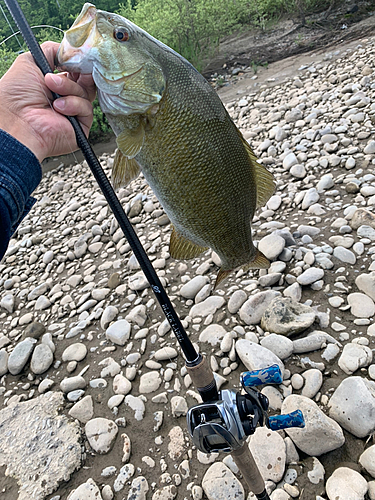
(191, 27)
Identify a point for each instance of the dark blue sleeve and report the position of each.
(20, 173)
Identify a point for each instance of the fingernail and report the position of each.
(57, 79)
(60, 104)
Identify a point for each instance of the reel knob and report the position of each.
(294, 419)
(270, 375)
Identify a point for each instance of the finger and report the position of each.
(75, 106)
(50, 50)
(64, 86)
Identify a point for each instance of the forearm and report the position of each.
(20, 173)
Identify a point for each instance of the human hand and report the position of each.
(26, 111)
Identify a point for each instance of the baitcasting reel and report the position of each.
(224, 425)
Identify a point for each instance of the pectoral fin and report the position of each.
(182, 248)
(124, 170)
(130, 141)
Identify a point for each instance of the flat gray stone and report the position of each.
(254, 356)
(220, 483)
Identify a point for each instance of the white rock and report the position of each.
(137, 405)
(352, 405)
(74, 352)
(353, 357)
(149, 382)
(41, 359)
(313, 382)
(119, 332)
(20, 355)
(207, 307)
(213, 334)
(109, 314)
(86, 491)
(346, 484)
(278, 344)
(219, 483)
(252, 310)
(320, 434)
(271, 246)
(101, 434)
(317, 473)
(367, 460)
(236, 300)
(83, 410)
(192, 287)
(268, 449)
(254, 356)
(121, 385)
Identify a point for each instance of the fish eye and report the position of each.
(121, 35)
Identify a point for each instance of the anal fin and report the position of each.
(124, 170)
(182, 248)
(222, 275)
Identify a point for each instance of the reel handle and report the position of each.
(294, 419)
(270, 375)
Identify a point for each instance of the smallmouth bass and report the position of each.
(171, 125)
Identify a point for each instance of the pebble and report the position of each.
(255, 357)
(119, 332)
(101, 434)
(20, 355)
(42, 359)
(220, 482)
(285, 316)
(74, 352)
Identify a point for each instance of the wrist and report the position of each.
(20, 131)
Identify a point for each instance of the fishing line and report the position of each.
(10, 26)
(32, 27)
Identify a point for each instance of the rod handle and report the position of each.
(270, 375)
(249, 469)
(294, 419)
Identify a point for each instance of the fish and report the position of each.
(171, 125)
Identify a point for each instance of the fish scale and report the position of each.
(171, 125)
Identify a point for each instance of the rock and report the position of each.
(20, 356)
(72, 383)
(192, 287)
(138, 489)
(313, 382)
(109, 314)
(7, 303)
(41, 359)
(254, 356)
(366, 283)
(3, 362)
(121, 385)
(367, 460)
(35, 330)
(137, 405)
(83, 410)
(281, 346)
(252, 310)
(213, 334)
(165, 353)
(346, 484)
(317, 473)
(176, 445)
(285, 316)
(125, 473)
(268, 450)
(271, 246)
(352, 405)
(149, 382)
(236, 300)
(101, 434)
(344, 255)
(137, 315)
(179, 406)
(166, 493)
(320, 435)
(74, 352)
(362, 217)
(310, 276)
(207, 307)
(119, 332)
(220, 483)
(308, 344)
(21, 452)
(86, 491)
(353, 357)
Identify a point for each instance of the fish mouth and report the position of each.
(78, 41)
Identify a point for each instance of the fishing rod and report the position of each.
(225, 419)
